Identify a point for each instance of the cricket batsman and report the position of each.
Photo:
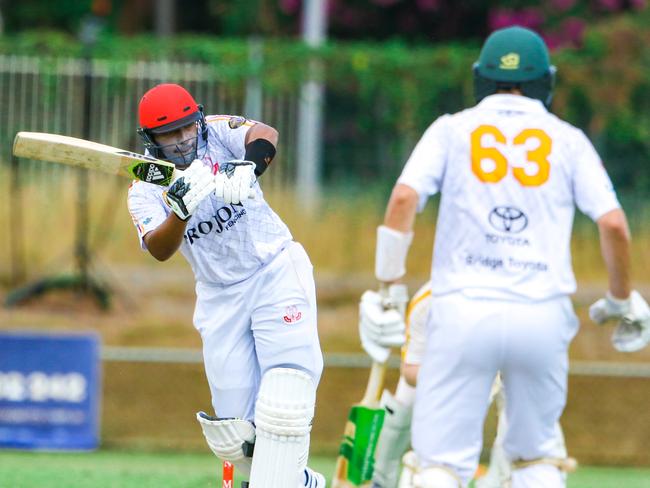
(255, 296)
(510, 174)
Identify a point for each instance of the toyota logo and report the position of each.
(508, 219)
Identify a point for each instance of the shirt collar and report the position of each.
(516, 103)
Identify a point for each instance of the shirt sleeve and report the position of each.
(232, 130)
(147, 208)
(424, 169)
(593, 190)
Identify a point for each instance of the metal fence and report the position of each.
(46, 95)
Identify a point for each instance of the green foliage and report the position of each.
(381, 96)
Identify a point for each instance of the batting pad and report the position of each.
(283, 416)
(226, 438)
(394, 440)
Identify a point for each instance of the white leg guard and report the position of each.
(228, 439)
(409, 468)
(283, 416)
(393, 441)
(537, 475)
(544, 472)
(498, 473)
(549, 471)
(431, 477)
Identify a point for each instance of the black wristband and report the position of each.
(261, 152)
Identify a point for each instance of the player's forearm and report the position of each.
(164, 240)
(401, 209)
(410, 373)
(395, 235)
(615, 248)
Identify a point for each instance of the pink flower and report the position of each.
(290, 6)
(349, 18)
(638, 4)
(573, 30)
(500, 18)
(332, 7)
(531, 18)
(610, 4)
(562, 5)
(553, 41)
(427, 5)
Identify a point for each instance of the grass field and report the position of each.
(124, 469)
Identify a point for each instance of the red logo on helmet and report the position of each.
(292, 314)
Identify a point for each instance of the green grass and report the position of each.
(127, 469)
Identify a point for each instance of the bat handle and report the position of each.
(375, 383)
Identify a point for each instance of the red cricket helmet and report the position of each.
(165, 108)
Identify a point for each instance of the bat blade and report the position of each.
(355, 463)
(72, 151)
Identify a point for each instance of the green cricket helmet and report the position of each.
(514, 57)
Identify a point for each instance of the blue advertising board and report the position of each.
(49, 391)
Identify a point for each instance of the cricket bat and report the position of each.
(355, 463)
(56, 148)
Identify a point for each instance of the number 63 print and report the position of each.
(537, 156)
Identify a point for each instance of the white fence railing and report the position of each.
(355, 361)
(46, 95)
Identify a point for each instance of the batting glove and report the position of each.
(189, 189)
(381, 322)
(633, 330)
(233, 181)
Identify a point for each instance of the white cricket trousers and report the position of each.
(266, 321)
(468, 341)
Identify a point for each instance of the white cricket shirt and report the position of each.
(510, 175)
(224, 244)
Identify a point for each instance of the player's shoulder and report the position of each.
(552, 118)
(565, 133)
(457, 118)
(228, 122)
(438, 126)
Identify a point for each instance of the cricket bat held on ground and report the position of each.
(56, 148)
(355, 463)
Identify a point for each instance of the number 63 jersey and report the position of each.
(510, 175)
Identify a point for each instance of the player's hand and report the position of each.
(233, 181)
(189, 188)
(633, 330)
(381, 321)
